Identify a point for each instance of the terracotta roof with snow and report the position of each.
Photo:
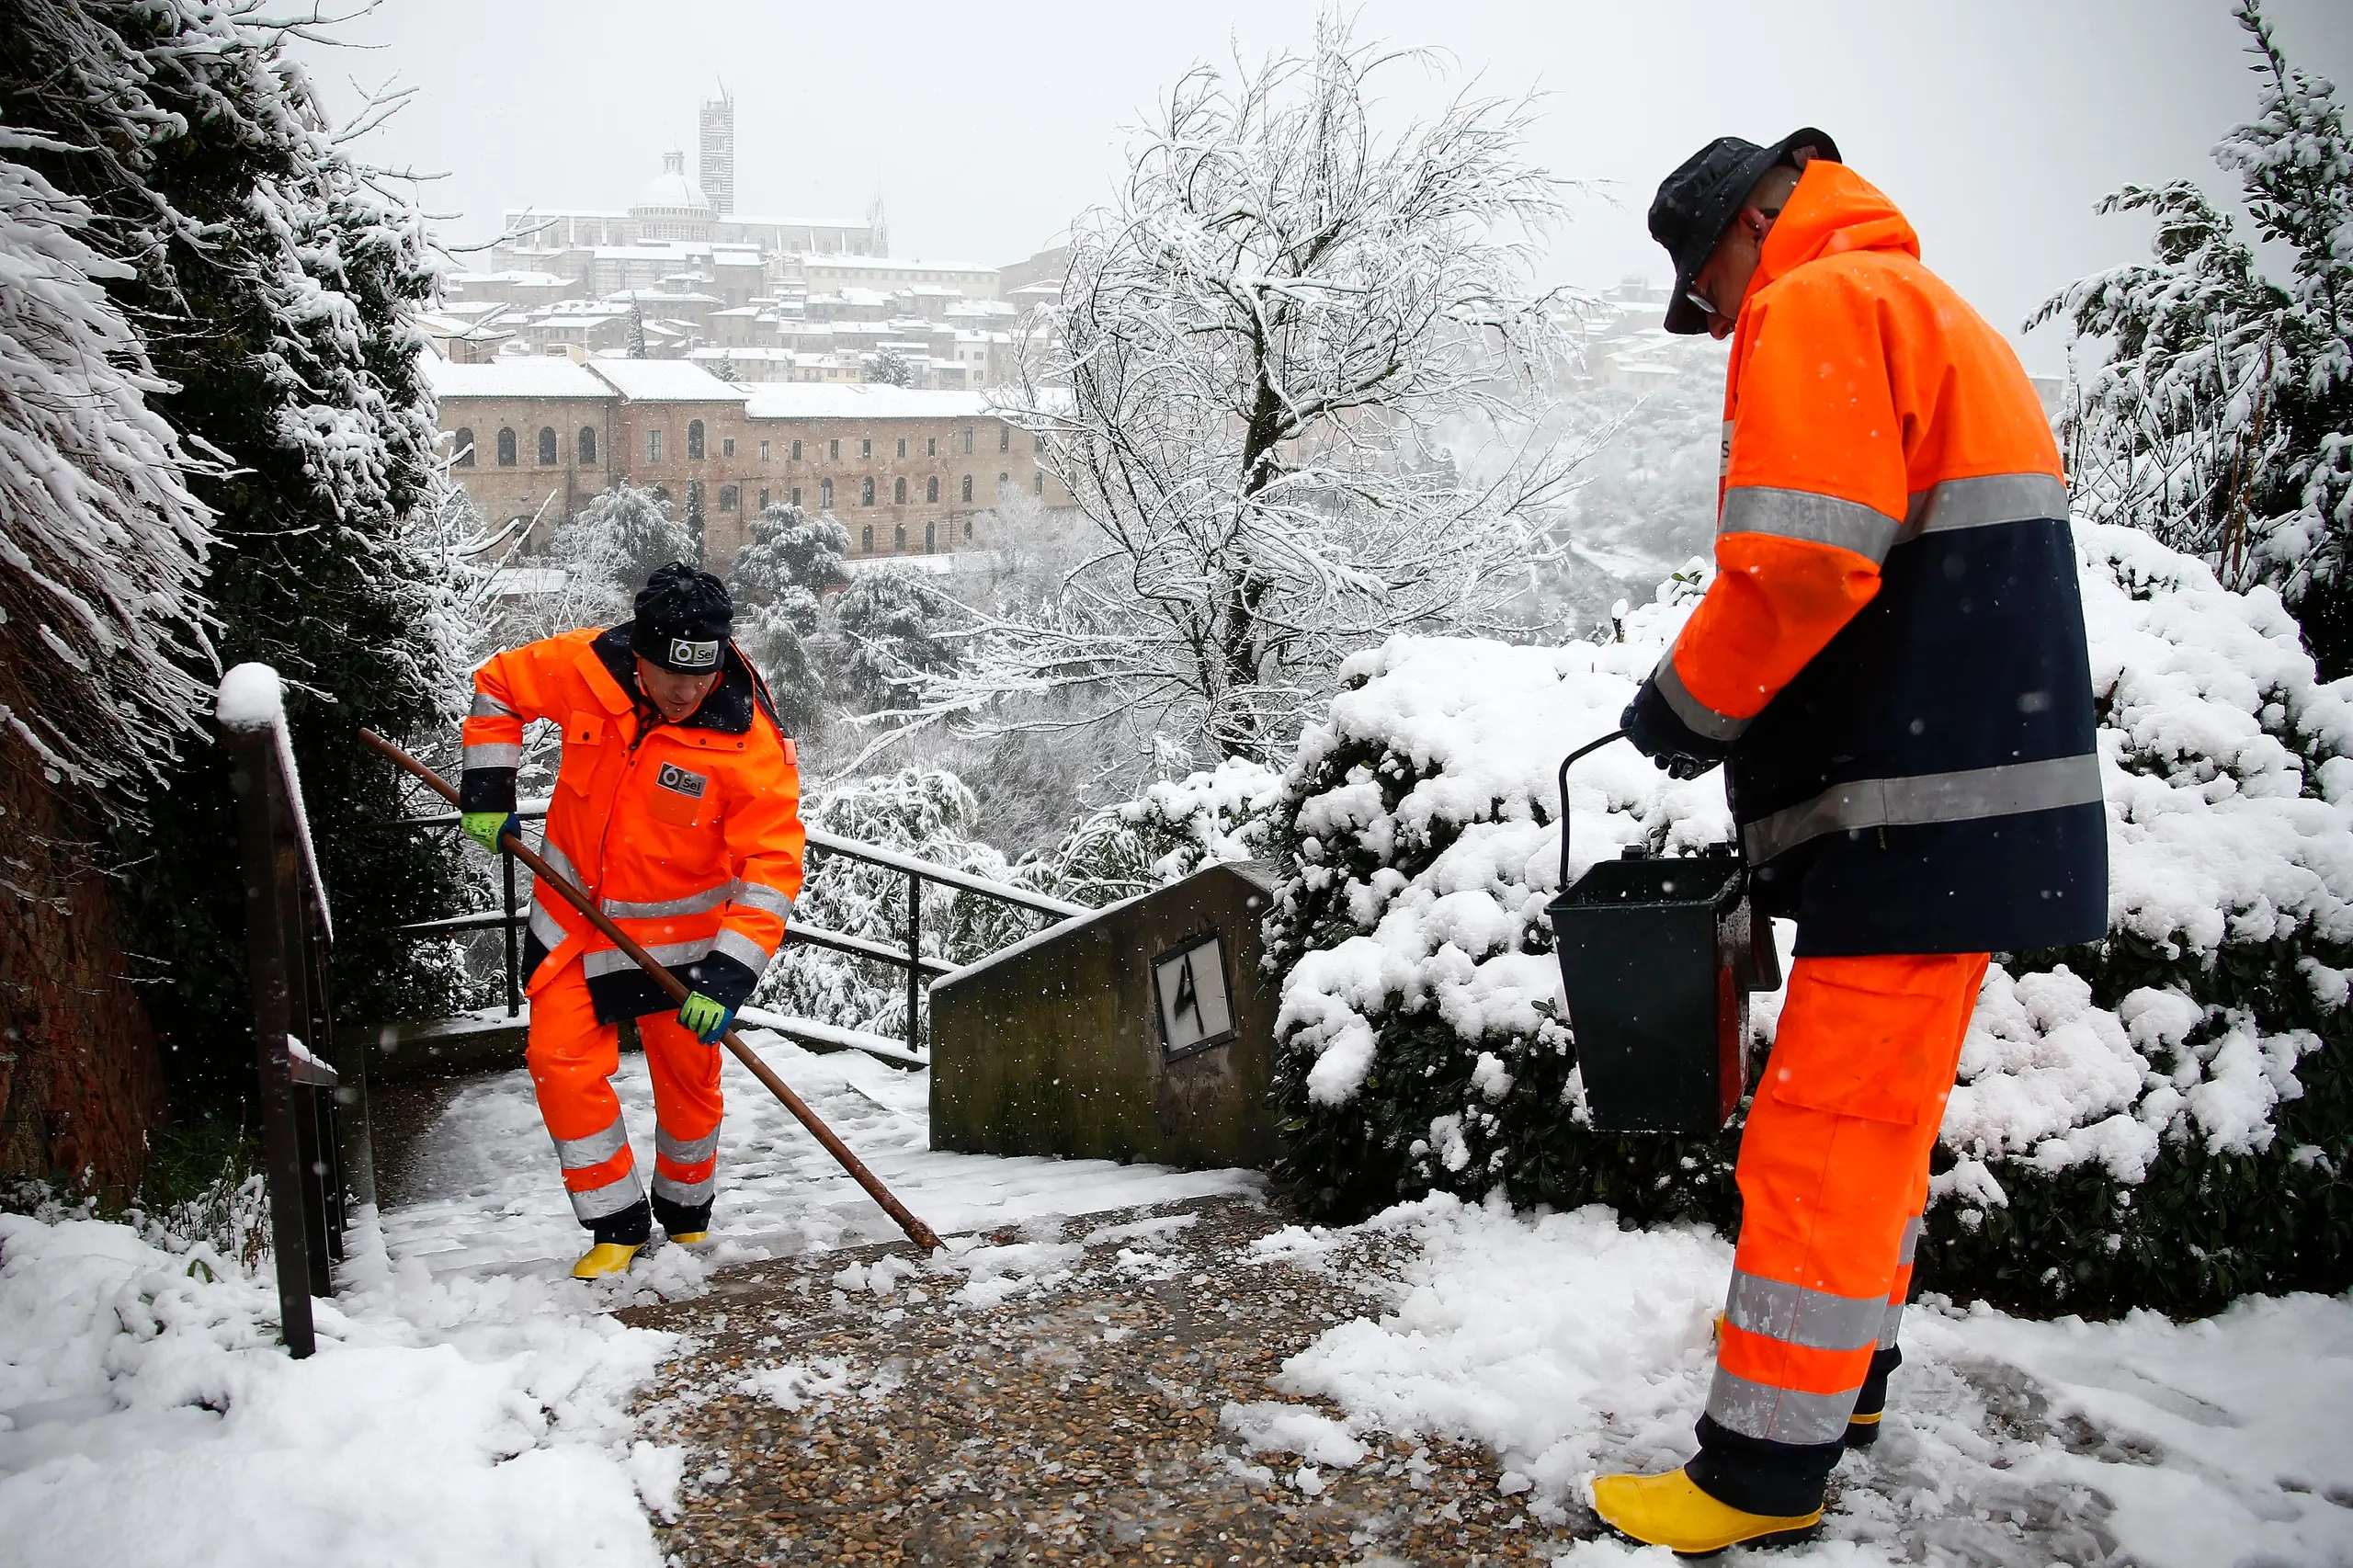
(525, 376)
(663, 381)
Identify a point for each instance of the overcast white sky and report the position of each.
(1997, 123)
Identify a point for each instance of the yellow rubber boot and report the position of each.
(688, 1238)
(1671, 1511)
(605, 1257)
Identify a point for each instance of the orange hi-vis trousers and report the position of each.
(572, 1058)
(1834, 1176)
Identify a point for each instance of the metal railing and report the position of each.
(313, 1118)
(920, 970)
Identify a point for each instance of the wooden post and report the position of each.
(272, 871)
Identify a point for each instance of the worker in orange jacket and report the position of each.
(1890, 660)
(678, 808)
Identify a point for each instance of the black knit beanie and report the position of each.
(682, 619)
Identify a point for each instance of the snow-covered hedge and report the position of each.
(2162, 1117)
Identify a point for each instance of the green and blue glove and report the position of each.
(486, 828)
(706, 1019)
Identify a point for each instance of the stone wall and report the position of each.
(1057, 1046)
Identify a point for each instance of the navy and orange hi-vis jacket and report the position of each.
(1893, 645)
(689, 835)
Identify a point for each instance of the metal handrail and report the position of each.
(919, 969)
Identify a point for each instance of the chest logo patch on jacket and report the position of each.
(676, 778)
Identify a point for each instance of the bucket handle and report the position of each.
(1588, 747)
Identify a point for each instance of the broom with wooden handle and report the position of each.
(917, 1231)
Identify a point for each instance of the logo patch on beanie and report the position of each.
(689, 655)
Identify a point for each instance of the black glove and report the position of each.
(1652, 724)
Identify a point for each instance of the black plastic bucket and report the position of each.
(1657, 958)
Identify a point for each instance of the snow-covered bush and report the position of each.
(2162, 1118)
(1173, 829)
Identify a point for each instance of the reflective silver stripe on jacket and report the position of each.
(1779, 1416)
(1983, 502)
(685, 1151)
(558, 861)
(612, 960)
(1891, 1324)
(493, 754)
(1701, 719)
(686, 1194)
(743, 949)
(579, 1153)
(692, 903)
(543, 923)
(1795, 1315)
(1910, 1244)
(488, 707)
(2008, 789)
(1805, 515)
(760, 895)
(609, 1199)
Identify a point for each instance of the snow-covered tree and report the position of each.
(894, 635)
(2222, 419)
(101, 613)
(890, 368)
(274, 280)
(1242, 386)
(788, 563)
(611, 546)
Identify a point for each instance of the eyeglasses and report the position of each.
(1707, 306)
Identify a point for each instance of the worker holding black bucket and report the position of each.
(1890, 665)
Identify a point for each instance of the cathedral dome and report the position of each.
(671, 193)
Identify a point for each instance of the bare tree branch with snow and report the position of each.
(1257, 353)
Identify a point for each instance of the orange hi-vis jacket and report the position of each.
(1892, 648)
(689, 835)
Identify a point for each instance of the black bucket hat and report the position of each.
(1698, 202)
(682, 619)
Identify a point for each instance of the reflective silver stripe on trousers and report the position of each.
(488, 707)
(1803, 515)
(1779, 1416)
(691, 903)
(1795, 1315)
(612, 960)
(760, 895)
(1984, 502)
(1702, 719)
(492, 754)
(1910, 1245)
(579, 1153)
(685, 1151)
(609, 1199)
(743, 949)
(685, 1193)
(2006, 790)
(1891, 1324)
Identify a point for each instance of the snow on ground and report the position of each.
(1572, 1348)
(469, 1403)
(493, 1202)
(148, 1414)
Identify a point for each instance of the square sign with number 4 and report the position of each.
(1194, 1011)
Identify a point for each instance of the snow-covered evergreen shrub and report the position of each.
(1173, 829)
(2162, 1117)
(274, 283)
